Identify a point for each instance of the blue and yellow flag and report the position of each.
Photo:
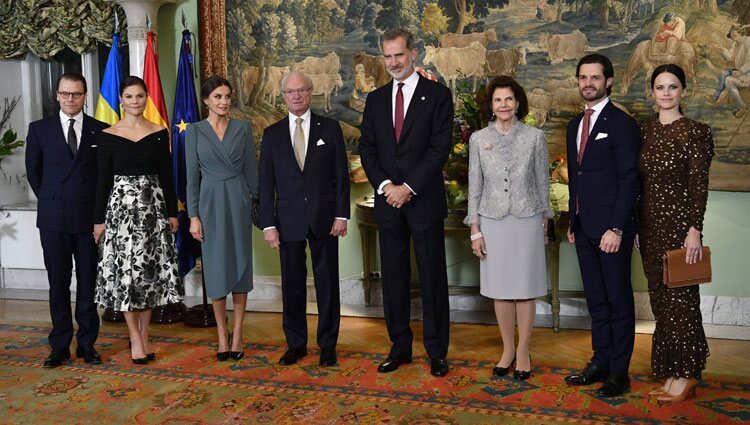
(108, 105)
(185, 113)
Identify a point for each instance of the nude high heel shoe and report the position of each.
(687, 393)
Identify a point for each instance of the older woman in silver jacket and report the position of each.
(508, 211)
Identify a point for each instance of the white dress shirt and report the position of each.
(410, 85)
(594, 115)
(77, 126)
(305, 126)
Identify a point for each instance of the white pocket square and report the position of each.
(93, 146)
(601, 136)
(320, 142)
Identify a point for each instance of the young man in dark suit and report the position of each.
(304, 198)
(406, 138)
(61, 169)
(603, 148)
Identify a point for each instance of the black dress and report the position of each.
(135, 196)
(674, 164)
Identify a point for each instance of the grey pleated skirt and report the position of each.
(514, 267)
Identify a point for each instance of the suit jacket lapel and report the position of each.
(388, 118)
(58, 139)
(88, 136)
(601, 123)
(284, 143)
(316, 129)
(415, 106)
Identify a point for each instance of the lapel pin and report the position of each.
(423, 98)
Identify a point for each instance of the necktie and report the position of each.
(399, 119)
(584, 133)
(299, 144)
(72, 140)
(584, 138)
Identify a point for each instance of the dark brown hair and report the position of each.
(212, 83)
(72, 76)
(395, 33)
(504, 81)
(132, 80)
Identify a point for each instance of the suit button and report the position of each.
(506, 180)
(506, 190)
(580, 173)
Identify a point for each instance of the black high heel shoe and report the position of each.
(223, 356)
(149, 356)
(522, 375)
(502, 371)
(237, 355)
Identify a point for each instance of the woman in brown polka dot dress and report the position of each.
(674, 163)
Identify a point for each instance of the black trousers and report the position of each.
(609, 297)
(325, 262)
(395, 236)
(60, 249)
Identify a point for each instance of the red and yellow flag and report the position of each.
(156, 108)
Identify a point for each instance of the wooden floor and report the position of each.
(728, 357)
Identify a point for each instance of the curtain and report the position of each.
(44, 27)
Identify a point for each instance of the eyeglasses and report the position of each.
(293, 91)
(68, 95)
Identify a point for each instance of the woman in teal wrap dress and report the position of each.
(222, 180)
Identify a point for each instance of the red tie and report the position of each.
(584, 133)
(399, 119)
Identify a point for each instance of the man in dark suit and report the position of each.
(406, 137)
(61, 168)
(603, 148)
(304, 196)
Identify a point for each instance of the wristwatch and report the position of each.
(616, 231)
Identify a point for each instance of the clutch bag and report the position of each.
(678, 273)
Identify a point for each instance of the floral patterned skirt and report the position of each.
(137, 256)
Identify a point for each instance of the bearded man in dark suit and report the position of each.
(406, 138)
(603, 147)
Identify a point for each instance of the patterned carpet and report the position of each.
(187, 386)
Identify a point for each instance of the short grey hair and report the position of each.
(395, 33)
(289, 74)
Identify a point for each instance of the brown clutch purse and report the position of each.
(678, 273)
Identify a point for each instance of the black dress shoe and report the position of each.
(590, 374)
(292, 355)
(328, 356)
(88, 354)
(237, 355)
(502, 371)
(392, 363)
(439, 367)
(57, 358)
(615, 385)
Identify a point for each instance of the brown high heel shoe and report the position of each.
(687, 393)
(661, 390)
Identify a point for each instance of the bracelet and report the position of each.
(475, 236)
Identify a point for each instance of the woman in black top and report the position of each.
(135, 212)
